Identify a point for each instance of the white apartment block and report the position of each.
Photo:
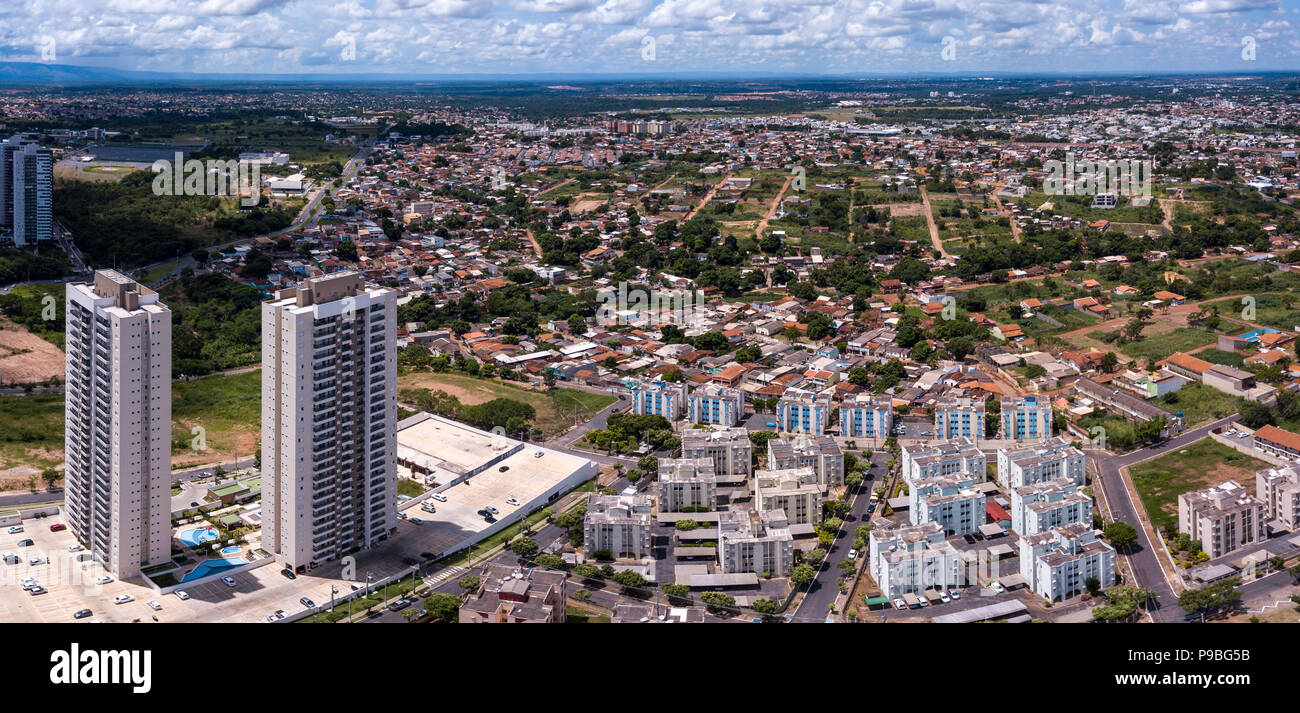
(118, 422)
(1057, 564)
(329, 419)
(659, 398)
(794, 490)
(952, 501)
(1026, 418)
(799, 411)
(1040, 507)
(757, 543)
(906, 558)
(1225, 518)
(687, 483)
(730, 450)
(1052, 460)
(1279, 488)
(866, 416)
(931, 460)
(959, 418)
(618, 524)
(821, 453)
(715, 405)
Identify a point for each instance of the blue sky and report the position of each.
(654, 36)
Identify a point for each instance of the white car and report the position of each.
(230, 582)
(104, 579)
(943, 597)
(997, 587)
(900, 604)
(955, 595)
(439, 497)
(853, 554)
(154, 605)
(15, 529)
(1244, 435)
(182, 595)
(538, 454)
(123, 599)
(511, 501)
(924, 602)
(75, 548)
(37, 560)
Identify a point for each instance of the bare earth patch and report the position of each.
(26, 358)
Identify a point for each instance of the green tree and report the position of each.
(443, 608)
(1121, 535)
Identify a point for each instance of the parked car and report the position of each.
(279, 614)
(25, 543)
(75, 548)
(853, 554)
(15, 529)
(439, 497)
(503, 469)
(399, 605)
(230, 582)
(154, 605)
(415, 521)
(538, 454)
(288, 573)
(37, 590)
(82, 614)
(512, 501)
(492, 510)
(943, 597)
(923, 601)
(997, 587)
(307, 603)
(401, 516)
(103, 579)
(899, 603)
(181, 594)
(955, 595)
(488, 518)
(770, 424)
(427, 555)
(37, 560)
(123, 599)
(57, 527)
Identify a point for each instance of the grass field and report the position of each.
(1205, 463)
(31, 435)
(1199, 403)
(227, 408)
(1158, 347)
(555, 409)
(1277, 310)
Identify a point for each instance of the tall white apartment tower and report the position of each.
(329, 419)
(118, 422)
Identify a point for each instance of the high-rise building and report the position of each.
(715, 404)
(800, 411)
(33, 196)
(659, 398)
(1026, 418)
(8, 148)
(866, 416)
(329, 419)
(959, 418)
(118, 422)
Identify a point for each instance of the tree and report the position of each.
(549, 561)
(524, 547)
(718, 600)
(443, 607)
(346, 251)
(1210, 597)
(815, 556)
(765, 606)
(577, 324)
(1133, 329)
(1121, 535)
(802, 574)
(587, 570)
(50, 476)
(1109, 361)
(468, 583)
(629, 579)
(1093, 584)
(678, 591)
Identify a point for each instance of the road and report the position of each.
(931, 225)
(824, 589)
(306, 218)
(1143, 557)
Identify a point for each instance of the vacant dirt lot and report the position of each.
(26, 358)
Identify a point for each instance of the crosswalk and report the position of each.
(445, 574)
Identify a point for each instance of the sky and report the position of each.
(662, 37)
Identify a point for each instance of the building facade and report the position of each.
(1224, 518)
(821, 453)
(1058, 563)
(659, 398)
(794, 491)
(1026, 418)
(329, 419)
(866, 416)
(799, 411)
(1053, 460)
(730, 450)
(760, 543)
(617, 524)
(715, 405)
(1041, 506)
(906, 558)
(118, 422)
(959, 418)
(1279, 489)
(687, 484)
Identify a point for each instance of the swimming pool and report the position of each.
(211, 566)
(1254, 334)
(232, 550)
(194, 537)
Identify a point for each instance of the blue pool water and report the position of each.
(232, 550)
(194, 537)
(211, 566)
(1254, 334)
